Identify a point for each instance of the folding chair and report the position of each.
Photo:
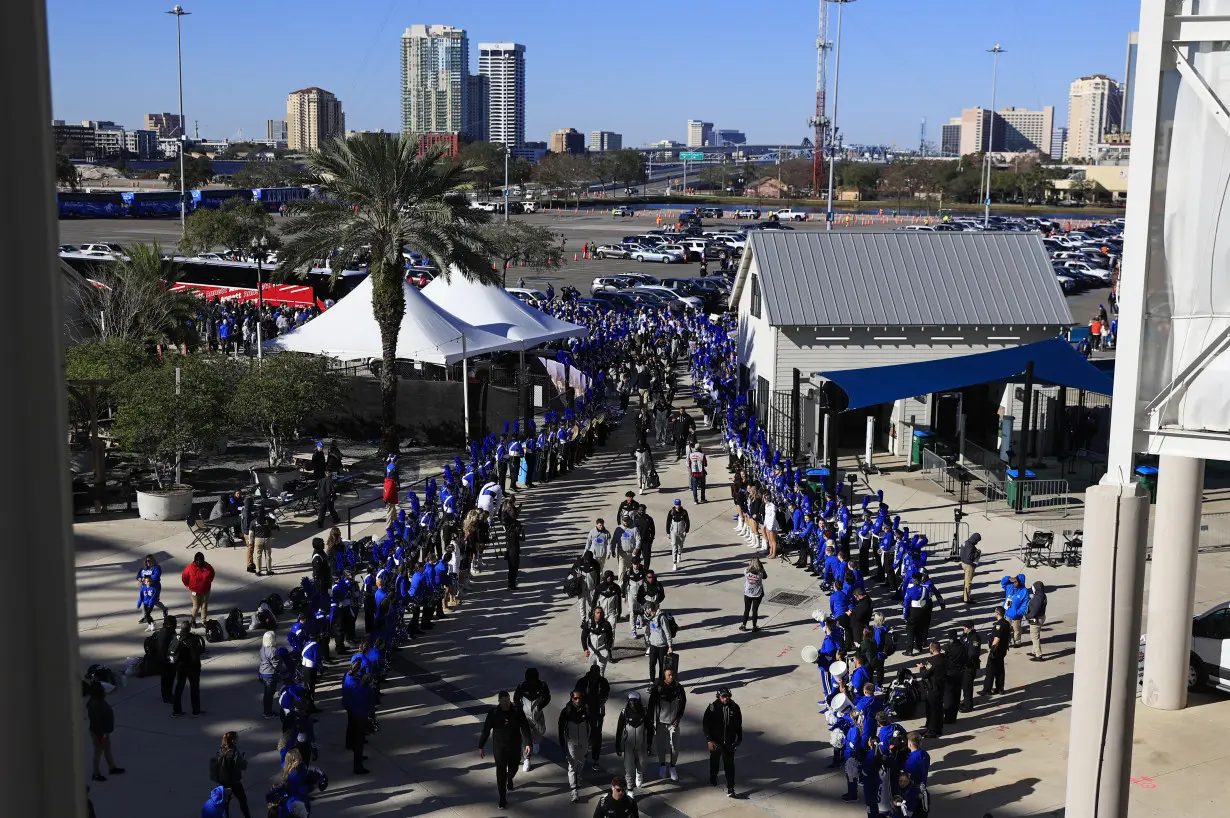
(1038, 549)
(202, 537)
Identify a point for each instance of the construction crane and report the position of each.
(820, 122)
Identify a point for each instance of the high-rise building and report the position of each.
(76, 141)
(1129, 82)
(109, 139)
(975, 130)
(478, 89)
(726, 136)
(568, 140)
(504, 66)
(605, 141)
(1059, 138)
(434, 67)
(141, 144)
(700, 133)
(1095, 107)
(313, 115)
(1020, 131)
(275, 130)
(164, 124)
(950, 137)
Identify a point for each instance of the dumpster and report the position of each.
(1148, 480)
(922, 440)
(1017, 484)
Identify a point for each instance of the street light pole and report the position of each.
(986, 201)
(258, 250)
(828, 215)
(179, 12)
(505, 182)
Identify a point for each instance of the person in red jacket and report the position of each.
(198, 578)
(390, 490)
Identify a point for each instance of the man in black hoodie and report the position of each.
(511, 742)
(1036, 614)
(160, 644)
(969, 560)
(595, 690)
(723, 725)
(646, 527)
(532, 697)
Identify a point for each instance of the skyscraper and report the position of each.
(164, 124)
(1129, 82)
(950, 137)
(729, 136)
(1018, 130)
(1059, 138)
(605, 141)
(313, 115)
(275, 130)
(975, 130)
(434, 66)
(503, 64)
(478, 89)
(568, 140)
(1095, 106)
(700, 133)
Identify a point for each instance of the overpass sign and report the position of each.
(698, 155)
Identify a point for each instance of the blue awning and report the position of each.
(1055, 362)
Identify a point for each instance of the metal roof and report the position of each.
(906, 278)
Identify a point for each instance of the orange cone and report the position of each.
(576, 257)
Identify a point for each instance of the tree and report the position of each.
(518, 240)
(275, 173)
(563, 171)
(487, 161)
(861, 176)
(198, 171)
(278, 396)
(135, 301)
(66, 172)
(381, 197)
(95, 360)
(233, 226)
(159, 422)
(628, 166)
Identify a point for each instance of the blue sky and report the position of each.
(638, 67)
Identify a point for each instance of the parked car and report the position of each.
(104, 249)
(771, 225)
(791, 215)
(622, 210)
(644, 254)
(710, 212)
(530, 207)
(69, 248)
(615, 299)
(747, 213)
(612, 251)
(486, 207)
(1209, 661)
(635, 279)
(668, 293)
(608, 284)
(528, 295)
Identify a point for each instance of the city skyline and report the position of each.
(884, 93)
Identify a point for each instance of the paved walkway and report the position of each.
(1008, 757)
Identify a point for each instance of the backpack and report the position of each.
(298, 598)
(672, 627)
(898, 750)
(654, 481)
(890, 642)
(573, 584)
(263, 619)
(215, 768)
(148, 664)
(173, 650)
(275, 604)
(213, 631)
(235, 629)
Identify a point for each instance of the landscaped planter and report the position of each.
(273, 479)
(171, 503)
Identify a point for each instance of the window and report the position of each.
(756, 296)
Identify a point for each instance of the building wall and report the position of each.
(165, 124)
(504, 66)
(605, 141)
(950, 138)
(275, 130)
(313, 115)
(568, 140)
(756, 340)
(974, 130)
(1095, 104)
(1024, 130)
(477, 110)
(700, 133)
(434, 66)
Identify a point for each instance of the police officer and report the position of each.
(972, 643)
(934, 674)
(955, 653)
(511, 742)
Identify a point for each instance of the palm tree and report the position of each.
(379, 196)
(134, 300)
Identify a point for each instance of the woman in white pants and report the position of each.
(770, 525)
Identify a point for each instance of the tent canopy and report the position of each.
(348, 330)
(1055, 361)
(497, 311)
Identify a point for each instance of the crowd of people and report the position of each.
(365, 599)
(231, 326)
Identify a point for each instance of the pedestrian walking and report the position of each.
(267, 672)
(326, 494)
(532, 697)
(659, 642)
(101, 720)
(574, 732)
(647, 531)
(625, 542)
(595, 690)
(1016, 604)
(698, 468)
(1001, 638)
(514, 535)
(597, 640)
(198, 578)
(510, 734)
(970, 554)
(723, 725)
(618, 803)
(1036, 614)
(633, 738)
(184, 653)
(226, 769)
(259, 532)
(644, 466)
(753, 591)
(667, 702)
(152, 571)
(678, 524)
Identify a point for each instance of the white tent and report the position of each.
(497, 311)
(348, 330)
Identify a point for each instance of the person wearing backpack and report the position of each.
(532, 697)
(659, 638)
(753, 591)
(970, 554)
(698, 465)
(184, 654)
(226, 768)
(1035, 613)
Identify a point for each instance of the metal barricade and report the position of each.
(933, 467)
(983, 464)
(1002, 496)
(939, 536)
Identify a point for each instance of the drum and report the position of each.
(841, 702)
(839, 671)
(810, 654)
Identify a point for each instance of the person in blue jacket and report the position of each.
(859, 676)
(417, 596)
(870, 768)
(830, 651)
(153, 571)
(359, 701)
(1016, 604)
(913, 607)
(218, 805)
(439, 570)
(918, 762)
(832, 568)
(855, 750)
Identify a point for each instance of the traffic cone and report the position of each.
(576, 257)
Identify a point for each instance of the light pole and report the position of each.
(506, 183)
(986, 201)
(179, 12)
(259, 248)
(828, 215)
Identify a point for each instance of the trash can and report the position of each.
(817, 480)
(922, 440)
(1148, 480)
(1021, 485)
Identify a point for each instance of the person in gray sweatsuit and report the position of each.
(574, 738)
(667, 703)
(625, 541)
(633, 738)
(658, 636)
(589, 570)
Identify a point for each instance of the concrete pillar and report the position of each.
(42, 772)
(871, 438)
(1107, 644)
(1172, 581)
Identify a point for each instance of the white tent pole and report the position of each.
(465, 391)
